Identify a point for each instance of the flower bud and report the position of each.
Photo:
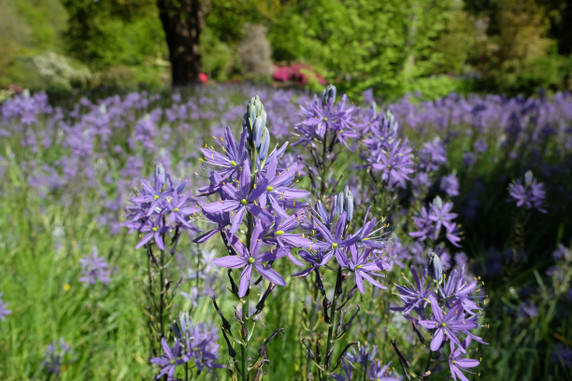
(329, 95)
(435, 268)
(349, 205)
(340, 204)
(258, 131)
(391, 122)
(528, 177)
(264, 146)
(160, 174)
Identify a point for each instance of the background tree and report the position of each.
(183, 21)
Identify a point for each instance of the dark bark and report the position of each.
(182, 22)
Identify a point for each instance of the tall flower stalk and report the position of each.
(254, 192)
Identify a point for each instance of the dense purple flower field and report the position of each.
(380, 225)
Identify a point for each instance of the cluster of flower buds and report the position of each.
(254, 123)
(345, 203)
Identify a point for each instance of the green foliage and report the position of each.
(105, 33)
(366, 44)
(217, 56)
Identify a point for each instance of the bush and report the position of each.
(255, 53)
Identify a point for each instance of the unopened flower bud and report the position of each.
(264, 146)
(340, 204)
(160, 174)
(329, 95)
(528, 177)
(350, 207)
(258, 131)
(435, 267)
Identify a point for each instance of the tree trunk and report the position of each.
(182, 22)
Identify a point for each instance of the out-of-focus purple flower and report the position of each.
(323, 119)
(4, 311)
(57, 356)
(450, 185)
(377, 372)
(469, 159)
(430, 222)
(528, 192)
(170, 360)
(393, 158)
(480, 146)
(199, 342)
(94, 268)
(527, 310)
(562, 354)
(432, 155)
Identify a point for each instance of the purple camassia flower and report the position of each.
(370, 235)
(528, 193)
(240, 199)
(450, 185)
(280, 232)
(4, 311)
(447, 326)
(432, 155)
(252, 258)
(56, 357)
(458, 363)
(322, 116)
(334, 244)
(235, 154)
(480, 146)
(94, 269)
(200, 342)
(348, 370)
(153, 202)
(563, 354)
(170, 359)
(469, 159)
(365, 266)
(393, 159)
(430, 222)
(278, 192)
(377, 372)
(457, 289)
(414, 298)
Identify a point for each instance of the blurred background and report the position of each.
(393, 47)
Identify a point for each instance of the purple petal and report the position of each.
(230, 261)
(437, 340)
(245, 280)
(238, 217)
(221, 206)
(270, 274)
